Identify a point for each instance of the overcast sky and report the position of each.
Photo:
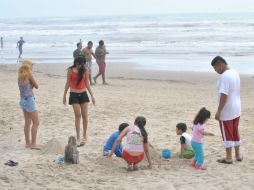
(66, 8)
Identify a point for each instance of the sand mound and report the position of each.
(54, 146)
(109, 162)
(155, 155)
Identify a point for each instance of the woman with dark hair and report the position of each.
(77, 81)
(197, 137)
(136, 144)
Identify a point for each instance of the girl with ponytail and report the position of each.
(136, 144)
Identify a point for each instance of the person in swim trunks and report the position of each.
(100, 54)
(88, 52)
(20, 46)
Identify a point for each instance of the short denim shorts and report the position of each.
(78, 98)
(28, 104)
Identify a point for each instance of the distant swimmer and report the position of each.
(19, 45)
(2, 42)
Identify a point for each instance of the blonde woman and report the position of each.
(26, 83)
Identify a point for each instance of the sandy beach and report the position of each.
(164, 98)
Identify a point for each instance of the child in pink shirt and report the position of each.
(197, 137)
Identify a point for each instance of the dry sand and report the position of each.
(164, 98)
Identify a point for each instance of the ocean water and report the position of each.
(177, 42)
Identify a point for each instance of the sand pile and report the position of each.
(110, 162)
(54, 146)
(155, 155)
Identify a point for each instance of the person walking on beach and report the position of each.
(77, 81)
(2, 42)
(20, 46)
(229, 108)
(88, 52)
(100, 54)
(26, 83)
(78, 51)
(136, 145)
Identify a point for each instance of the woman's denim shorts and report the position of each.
(28, 104)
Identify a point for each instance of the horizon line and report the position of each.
(130, 15)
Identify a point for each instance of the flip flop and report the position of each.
(224, 161)
(11, 163)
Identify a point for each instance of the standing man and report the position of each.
(229, 108)
(100, 54)
(88, 52)
(78, 52)
(19, 45)
(2, 42)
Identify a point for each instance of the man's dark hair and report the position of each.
(90, 42)
(101, 42)
(122, 126)
(182, 127)
(78, 44)
(218, 59)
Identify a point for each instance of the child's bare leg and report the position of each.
(135, 167)
(129, 167)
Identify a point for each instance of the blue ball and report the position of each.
(166, 153)
(61, 158)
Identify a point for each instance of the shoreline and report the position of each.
(121, 70)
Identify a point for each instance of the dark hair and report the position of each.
(218, 59)
(202, 115)
(80, 60)
(90, 42)
(122, 126)
(101, 42)
(182, 127)
(140, 121)
(78, 44)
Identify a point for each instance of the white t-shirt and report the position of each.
(187, 137)
(229, 84)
